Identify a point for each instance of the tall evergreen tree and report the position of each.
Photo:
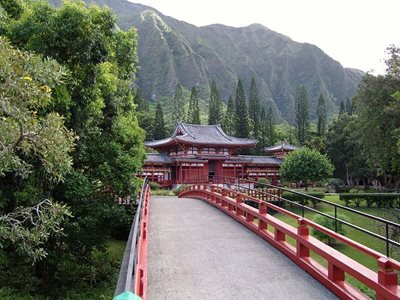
(241, 113)
(321, 113)
(159, 131)
(302, 116)
(349, 107)
(178, 110)
(270, 128)
(141, 102)
(214, 105)
(193, 115)
(229, 119)
(342, 109)
(254, 109)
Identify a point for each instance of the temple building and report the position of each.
(198, 153)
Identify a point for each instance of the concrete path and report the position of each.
(198, 252)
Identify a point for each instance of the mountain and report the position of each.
(172, 51)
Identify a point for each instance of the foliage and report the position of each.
(29, 228)
(193, 115)
(306, 165)
(254, 109)
(241, 113)
(380, 199)
(303, 200)
(97, 103)
(159, 131)
(342, 109)
(214, 105)
(178, 105)
(26, 86)
(229, 118)
(154, 185)
(302, 114)
(269, 127)
(179, 189)
(321, 114)
(330, 224)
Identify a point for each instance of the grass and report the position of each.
(116, 250)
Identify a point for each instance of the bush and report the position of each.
(342, 189)
(330, 224)
(302, 199)
(261, 182)
(154, 185)
(179, 189)
(380, 199)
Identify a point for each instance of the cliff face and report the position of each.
(172, 51)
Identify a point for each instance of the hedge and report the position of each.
(303, 200)
(380, 199)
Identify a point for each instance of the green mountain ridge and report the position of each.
(172, 51)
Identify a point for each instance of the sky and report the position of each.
(353, 32)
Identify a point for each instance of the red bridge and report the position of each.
(196, 252)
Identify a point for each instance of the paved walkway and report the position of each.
(198, 252)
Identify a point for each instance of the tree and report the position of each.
(30, 138)
(270, 128)
(321, 114)
(178, 104)
(349, 107)
(241, 113)
(159, 131)
(214, 105)
(342, 109)
(229, 119)
(193, 115)
(306, 165)
(302, 116)
(254, 109)
(97, 103)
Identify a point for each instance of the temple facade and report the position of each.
(198, 153)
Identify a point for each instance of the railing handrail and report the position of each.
(384, 281)
(336, 206)
(127, 274)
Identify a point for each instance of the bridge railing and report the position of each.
(246, 185)
(384, 282)
(132, 280)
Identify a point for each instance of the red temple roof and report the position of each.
(205, 135)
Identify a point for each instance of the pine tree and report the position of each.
(254, 109)
(321, 114)
(229, 119)
(141, 102)
(159, 131)
(270, 128)
(178, 110)
(349, 107)
(302, 117)
(342, 110)
(193, 115)
(241, 113)
(263, 138)
(214, 105)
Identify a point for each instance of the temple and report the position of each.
(198, 153)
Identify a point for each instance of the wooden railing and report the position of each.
(384, 282)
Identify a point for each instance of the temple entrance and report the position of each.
(211, 169)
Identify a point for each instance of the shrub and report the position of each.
(330, 224)
(380, 199)
(261, 182)
(302, 199)
(342, 189)
(154, 185)
(179, 189)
